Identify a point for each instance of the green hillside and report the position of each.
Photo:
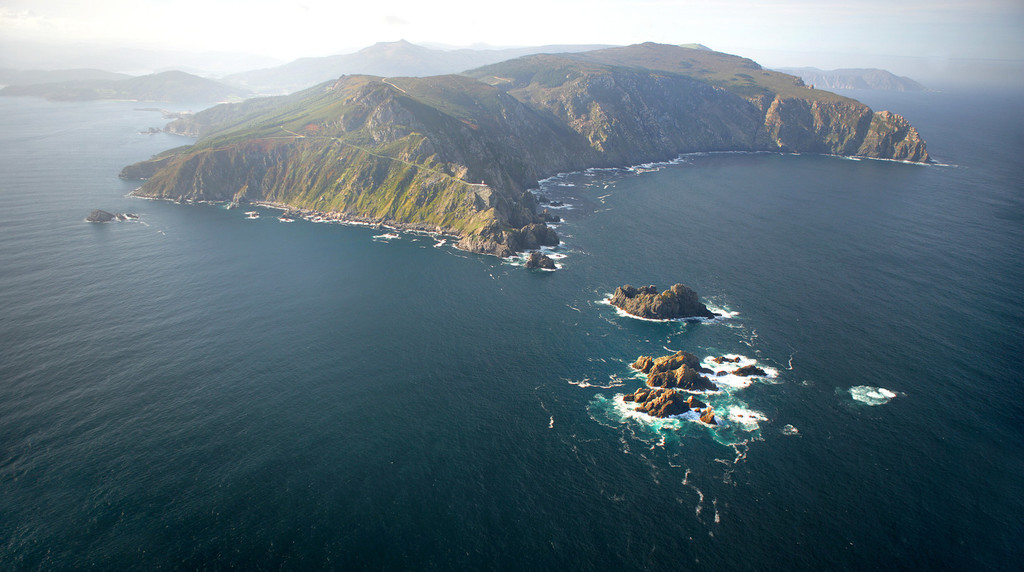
(456, 153)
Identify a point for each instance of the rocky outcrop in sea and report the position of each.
(678, 302)
(99, 215)
(538, 260)
(681, 370)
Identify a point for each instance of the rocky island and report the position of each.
(677, 303)
(668, 377)
(539, 260)
(99, 215)
(457, 154)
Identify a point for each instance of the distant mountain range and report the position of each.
(457, 153)
(855, 78)
(170, 86)
(32, 77)
(383, 59)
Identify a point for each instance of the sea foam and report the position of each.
(869, 395)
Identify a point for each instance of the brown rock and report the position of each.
(749, 370)
(643, 364)
(694, 403)
(708, 416)
(680, 370)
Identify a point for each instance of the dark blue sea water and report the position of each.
(197, 390)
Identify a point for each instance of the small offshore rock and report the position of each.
(708, 416)
(100, 216)
(750, 370)
(538, 260)
(677, 302)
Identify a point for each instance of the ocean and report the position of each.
(196, 390)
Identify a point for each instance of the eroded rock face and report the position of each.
(678, 302)
(681, 370)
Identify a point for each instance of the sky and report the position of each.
(825, 33)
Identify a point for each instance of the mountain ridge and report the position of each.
(168, 86)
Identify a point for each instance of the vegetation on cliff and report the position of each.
(457, 153)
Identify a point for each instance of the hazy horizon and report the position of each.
(925, 40)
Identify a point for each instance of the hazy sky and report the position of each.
(764, 29)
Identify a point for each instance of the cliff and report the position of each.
(457, 153)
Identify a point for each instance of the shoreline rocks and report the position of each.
(678, 302)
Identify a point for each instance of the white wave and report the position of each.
(722, 312)
(736, 381)
(386, 236)
(551, 423)
(748, 419)
(789, 430)
(869, 395)
(613, 382)
(440, 243)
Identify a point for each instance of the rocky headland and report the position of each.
(458, 153)
(676, 303)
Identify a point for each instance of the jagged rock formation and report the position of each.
(538, 260)
(659, 402)
(677, 302)
(708, 416)
(680, 370)
(456, 154)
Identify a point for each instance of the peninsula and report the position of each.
(457, 154)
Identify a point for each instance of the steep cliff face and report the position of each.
(839, 128)
(456, 154)
(650, 102)
(629, 117)
(893, 137)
